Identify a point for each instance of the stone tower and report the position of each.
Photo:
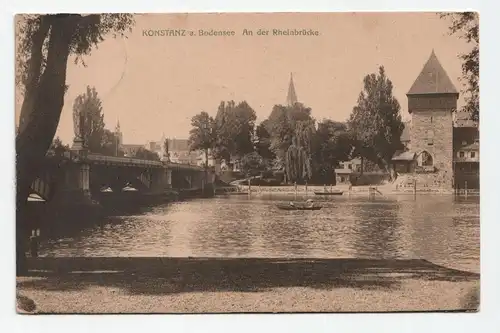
(291, 97)
(432, 99)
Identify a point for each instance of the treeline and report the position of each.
(290, 140)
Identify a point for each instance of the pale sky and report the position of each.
(154, 85)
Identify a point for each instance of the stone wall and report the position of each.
(432, 131)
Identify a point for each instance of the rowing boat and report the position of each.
(295, 207)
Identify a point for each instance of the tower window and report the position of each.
(472, 154)
(462, 154)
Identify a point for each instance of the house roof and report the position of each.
(470, 147)
(403, 156)
(432, 79)
(343, 171)
(465, 123)
(352, 161)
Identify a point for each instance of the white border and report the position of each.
(484, 321)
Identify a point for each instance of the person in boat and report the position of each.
(292, 204)
(310, 203)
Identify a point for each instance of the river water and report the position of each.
(442, 229)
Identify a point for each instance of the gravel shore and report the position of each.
(189, 285)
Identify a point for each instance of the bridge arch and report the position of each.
(42, 187)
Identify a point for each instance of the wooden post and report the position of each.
(249, 185)
(324, 187)
(465, 184)
(306, 189)
(414, 187)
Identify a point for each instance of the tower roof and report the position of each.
(432, 79)
(291, 97)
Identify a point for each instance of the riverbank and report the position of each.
(387, 189)
(199, 285)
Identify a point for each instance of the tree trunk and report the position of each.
(33, 69)
(43, 105)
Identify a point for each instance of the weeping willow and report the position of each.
(297, 163)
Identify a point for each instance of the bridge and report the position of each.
(76, 176)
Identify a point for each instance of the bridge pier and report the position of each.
(161, 180)
(76, 188)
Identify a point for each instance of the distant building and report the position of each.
(347, 168)
(466, 152)
(179, 152)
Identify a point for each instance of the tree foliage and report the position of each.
(252, 164)
(110, 145)
(202, 135)
(234, 127)
(375, 122)
(262, 141)
(57, 148)
(334, 145)
(466, 26)
(297, 162)
(87, 108)
(282, 123)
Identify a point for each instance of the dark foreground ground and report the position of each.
(199, 285)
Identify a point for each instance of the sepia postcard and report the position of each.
(247, 163)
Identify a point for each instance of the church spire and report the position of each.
(291, 98)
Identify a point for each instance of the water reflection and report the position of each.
(377, 229)
(442, 229)
(229, 236)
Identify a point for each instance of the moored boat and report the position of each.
(330, 193)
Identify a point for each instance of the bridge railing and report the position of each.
(124, 160)
(132, 161)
